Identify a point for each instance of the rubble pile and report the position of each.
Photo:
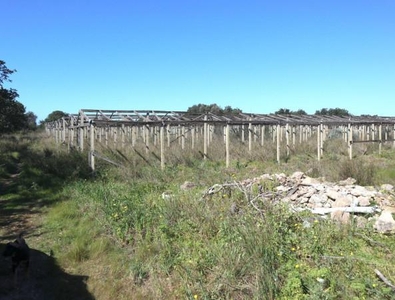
(342, 200)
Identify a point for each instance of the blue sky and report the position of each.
(258, 56)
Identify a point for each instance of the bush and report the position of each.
(363, 172)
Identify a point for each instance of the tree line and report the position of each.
(340, 112)
(13, 115)
(228, 110)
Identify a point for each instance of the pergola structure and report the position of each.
(99, 124)
(111, 117)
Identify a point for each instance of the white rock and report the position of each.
(342, 201)
(387, 187)
(332, 193)
(167, 195)
(187, 185)
(340, 216)
(310, 181)
(310, 193)
(266, 176)
(320, 187)
(297, 176)
(358, 191)
(294, 197)
(348, 181)
(363, 201)
(282, 188)
(385, 223)
(315, 199)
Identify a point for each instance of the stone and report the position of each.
(310, 193)
(309, 181)
(281, 177)
(266, 177)
(342, 201)
(340, 216)
(167, 195)
(387, 187)
(294, 196)
(332, 193)
(363, 201)
(315, 199)
(354, 201)
(318, 198)
(302, 191)
(385, 222)
(297, 176)
(370, 193)
(358, 191)
(320, 187)
(187, 185)
(348, 181)
(282, 188)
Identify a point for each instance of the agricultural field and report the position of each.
(193, 230)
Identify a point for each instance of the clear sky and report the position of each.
(258, 56)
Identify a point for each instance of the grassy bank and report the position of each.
(137, 235)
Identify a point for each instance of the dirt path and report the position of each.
(46, 279)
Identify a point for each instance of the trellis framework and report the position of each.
(152, 126)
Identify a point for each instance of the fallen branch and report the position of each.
(260, 211)
(385, 280)
(243, 189)
(216, 188)
(96, 154)
(340, 257)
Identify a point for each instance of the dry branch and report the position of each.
(385, 280)
(96, 154)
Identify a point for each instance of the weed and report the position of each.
(364, 173)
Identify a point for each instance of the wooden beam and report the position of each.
(227, 138)
(162, 147)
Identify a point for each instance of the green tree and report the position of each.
(228, 110)
(212, 108)
(286, 111)
(283, 111)
(55, 115)
(300, 112)
(340, 112)
(5, 73)
(12, 112)
(31, 120)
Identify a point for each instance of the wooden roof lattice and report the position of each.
(162, 117)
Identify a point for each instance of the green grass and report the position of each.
(216, 255)
(117, 228)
